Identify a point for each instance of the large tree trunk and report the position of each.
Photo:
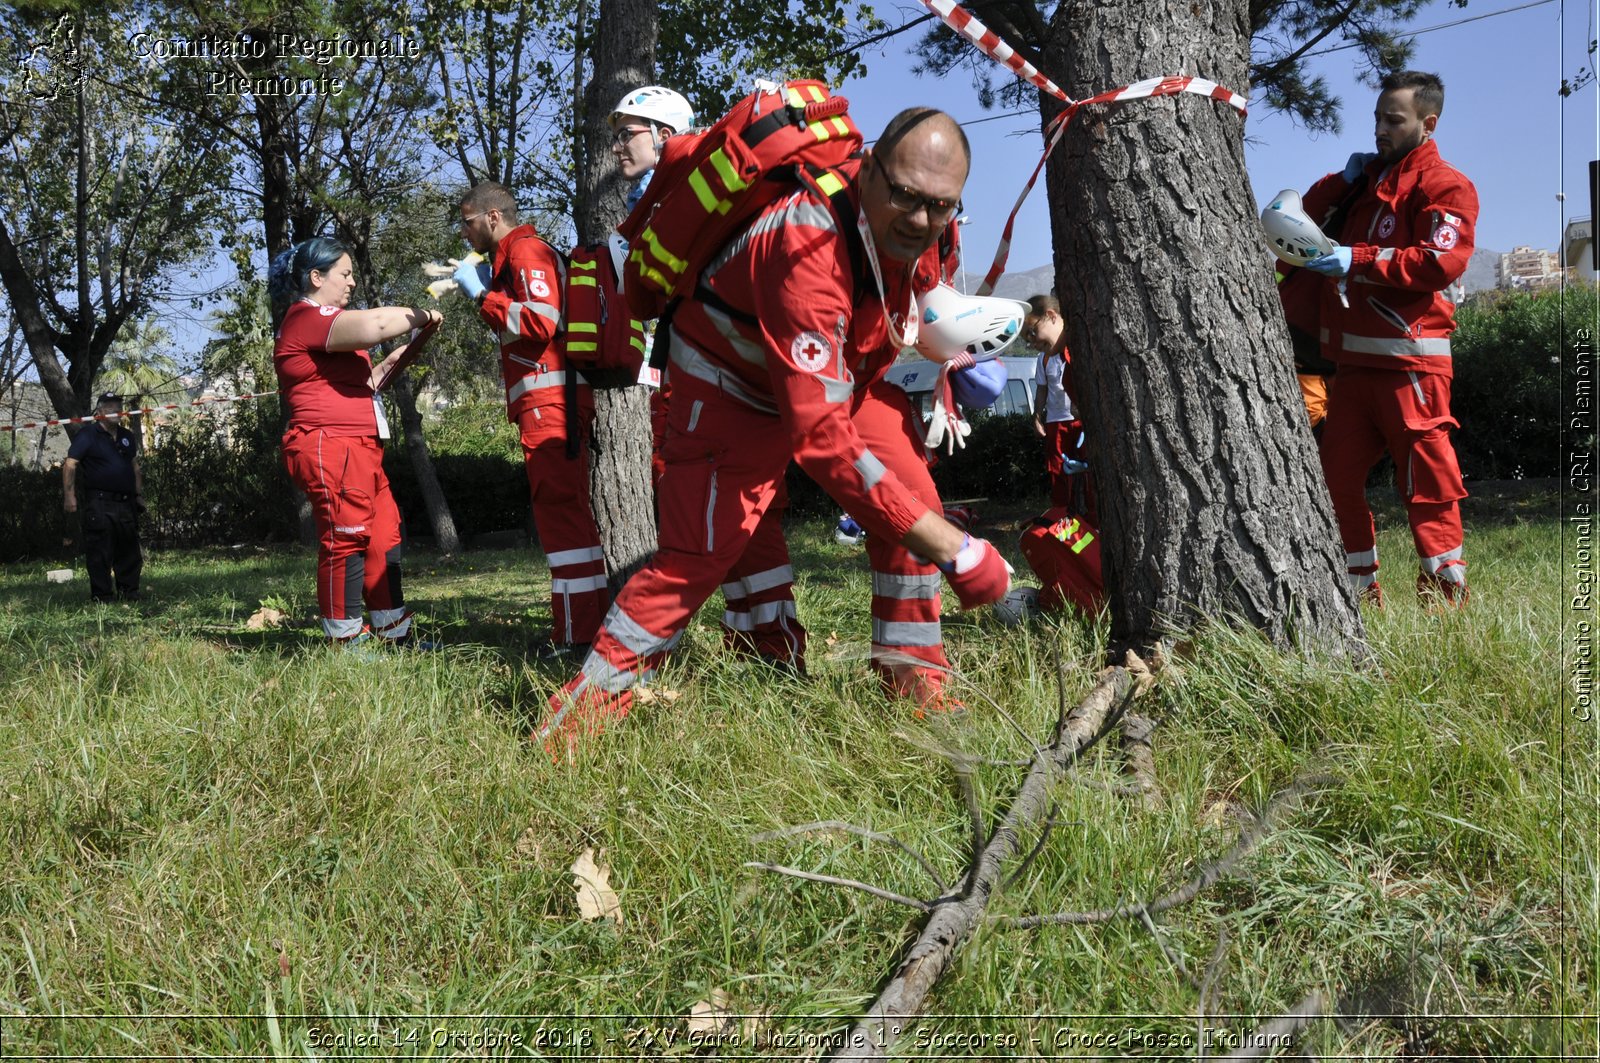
(624, 49)
(1212, 497)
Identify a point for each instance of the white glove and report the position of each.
(946, 427)
(446, 274)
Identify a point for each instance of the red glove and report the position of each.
(978, 574)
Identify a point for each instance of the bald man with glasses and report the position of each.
(781, 356)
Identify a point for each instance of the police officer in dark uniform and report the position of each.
(113, 489)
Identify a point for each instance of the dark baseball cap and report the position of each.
(109, 397)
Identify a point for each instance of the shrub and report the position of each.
(1508, 349)
(210, 481)
(33, 525)
(478, 459)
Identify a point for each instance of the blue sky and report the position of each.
(1502, 125)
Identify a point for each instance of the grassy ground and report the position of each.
(221, 842)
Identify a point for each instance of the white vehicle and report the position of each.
(916, 378)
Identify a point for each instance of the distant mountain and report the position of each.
(1013, 285)
(1482, 269)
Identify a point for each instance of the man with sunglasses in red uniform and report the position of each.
(781, 356)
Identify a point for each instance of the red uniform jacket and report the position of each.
(802, 346)
(523, 306)
(1410, 235)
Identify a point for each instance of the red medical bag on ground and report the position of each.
(1064, 552)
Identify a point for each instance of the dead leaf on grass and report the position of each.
(711, 1016)
(651, 695)
(832, 639)
(596, 898)
(264, 618)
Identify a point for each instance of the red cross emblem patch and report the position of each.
(811, 351)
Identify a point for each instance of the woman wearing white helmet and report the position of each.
(653, 110)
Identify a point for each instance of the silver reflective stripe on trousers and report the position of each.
(583, 585)
(1436, 563)
(765, 613)
(1362, 558)
(574, 557)
(893, 585)
(905, 633)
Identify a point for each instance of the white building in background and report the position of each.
(1524, 267)
(1577, 249)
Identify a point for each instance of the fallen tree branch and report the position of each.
(860, 832)
(952, 919)
(779, 869)
(1138, 757)
(1266, 1041)
(1289, 797)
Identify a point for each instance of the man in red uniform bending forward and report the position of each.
(1386, 323)
(521, 302)
(785, 360)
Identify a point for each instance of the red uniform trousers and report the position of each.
(720, 517)
(1075, 491)
(559, 488)
(359, 532)
(1370, 410)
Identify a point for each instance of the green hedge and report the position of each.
(1508, 348)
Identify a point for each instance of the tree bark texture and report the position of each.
(624, 48)
(1212, 498)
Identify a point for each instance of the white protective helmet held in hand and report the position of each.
(1292, 236)
(655, 104)
(981, 325)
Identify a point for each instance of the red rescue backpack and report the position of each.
(597, 331)
(709, 183)
(1064, 552)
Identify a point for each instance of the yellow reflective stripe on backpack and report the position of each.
(708, 199)
(730, 177)
(1082, 544)
(830, 183)
(667, 258)
(582, 326)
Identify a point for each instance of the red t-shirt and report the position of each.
(326, 390)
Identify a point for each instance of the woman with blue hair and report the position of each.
(332, 446)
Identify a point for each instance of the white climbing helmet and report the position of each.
(1292, 236)
(1018, 605)
(981, 325)
(655, 104)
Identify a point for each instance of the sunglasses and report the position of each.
(908, 200)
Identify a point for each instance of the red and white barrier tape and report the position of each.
(133, 413)
(987, 41)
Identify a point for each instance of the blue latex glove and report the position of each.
(471, 278)
(1356, 163)
(1335, 263)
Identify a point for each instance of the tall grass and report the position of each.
(226, 842)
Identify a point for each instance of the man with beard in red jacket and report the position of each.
(1407, 235)
(520, 299)
(781, 356)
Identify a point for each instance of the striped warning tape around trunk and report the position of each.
(989, 43)
(207, 400)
